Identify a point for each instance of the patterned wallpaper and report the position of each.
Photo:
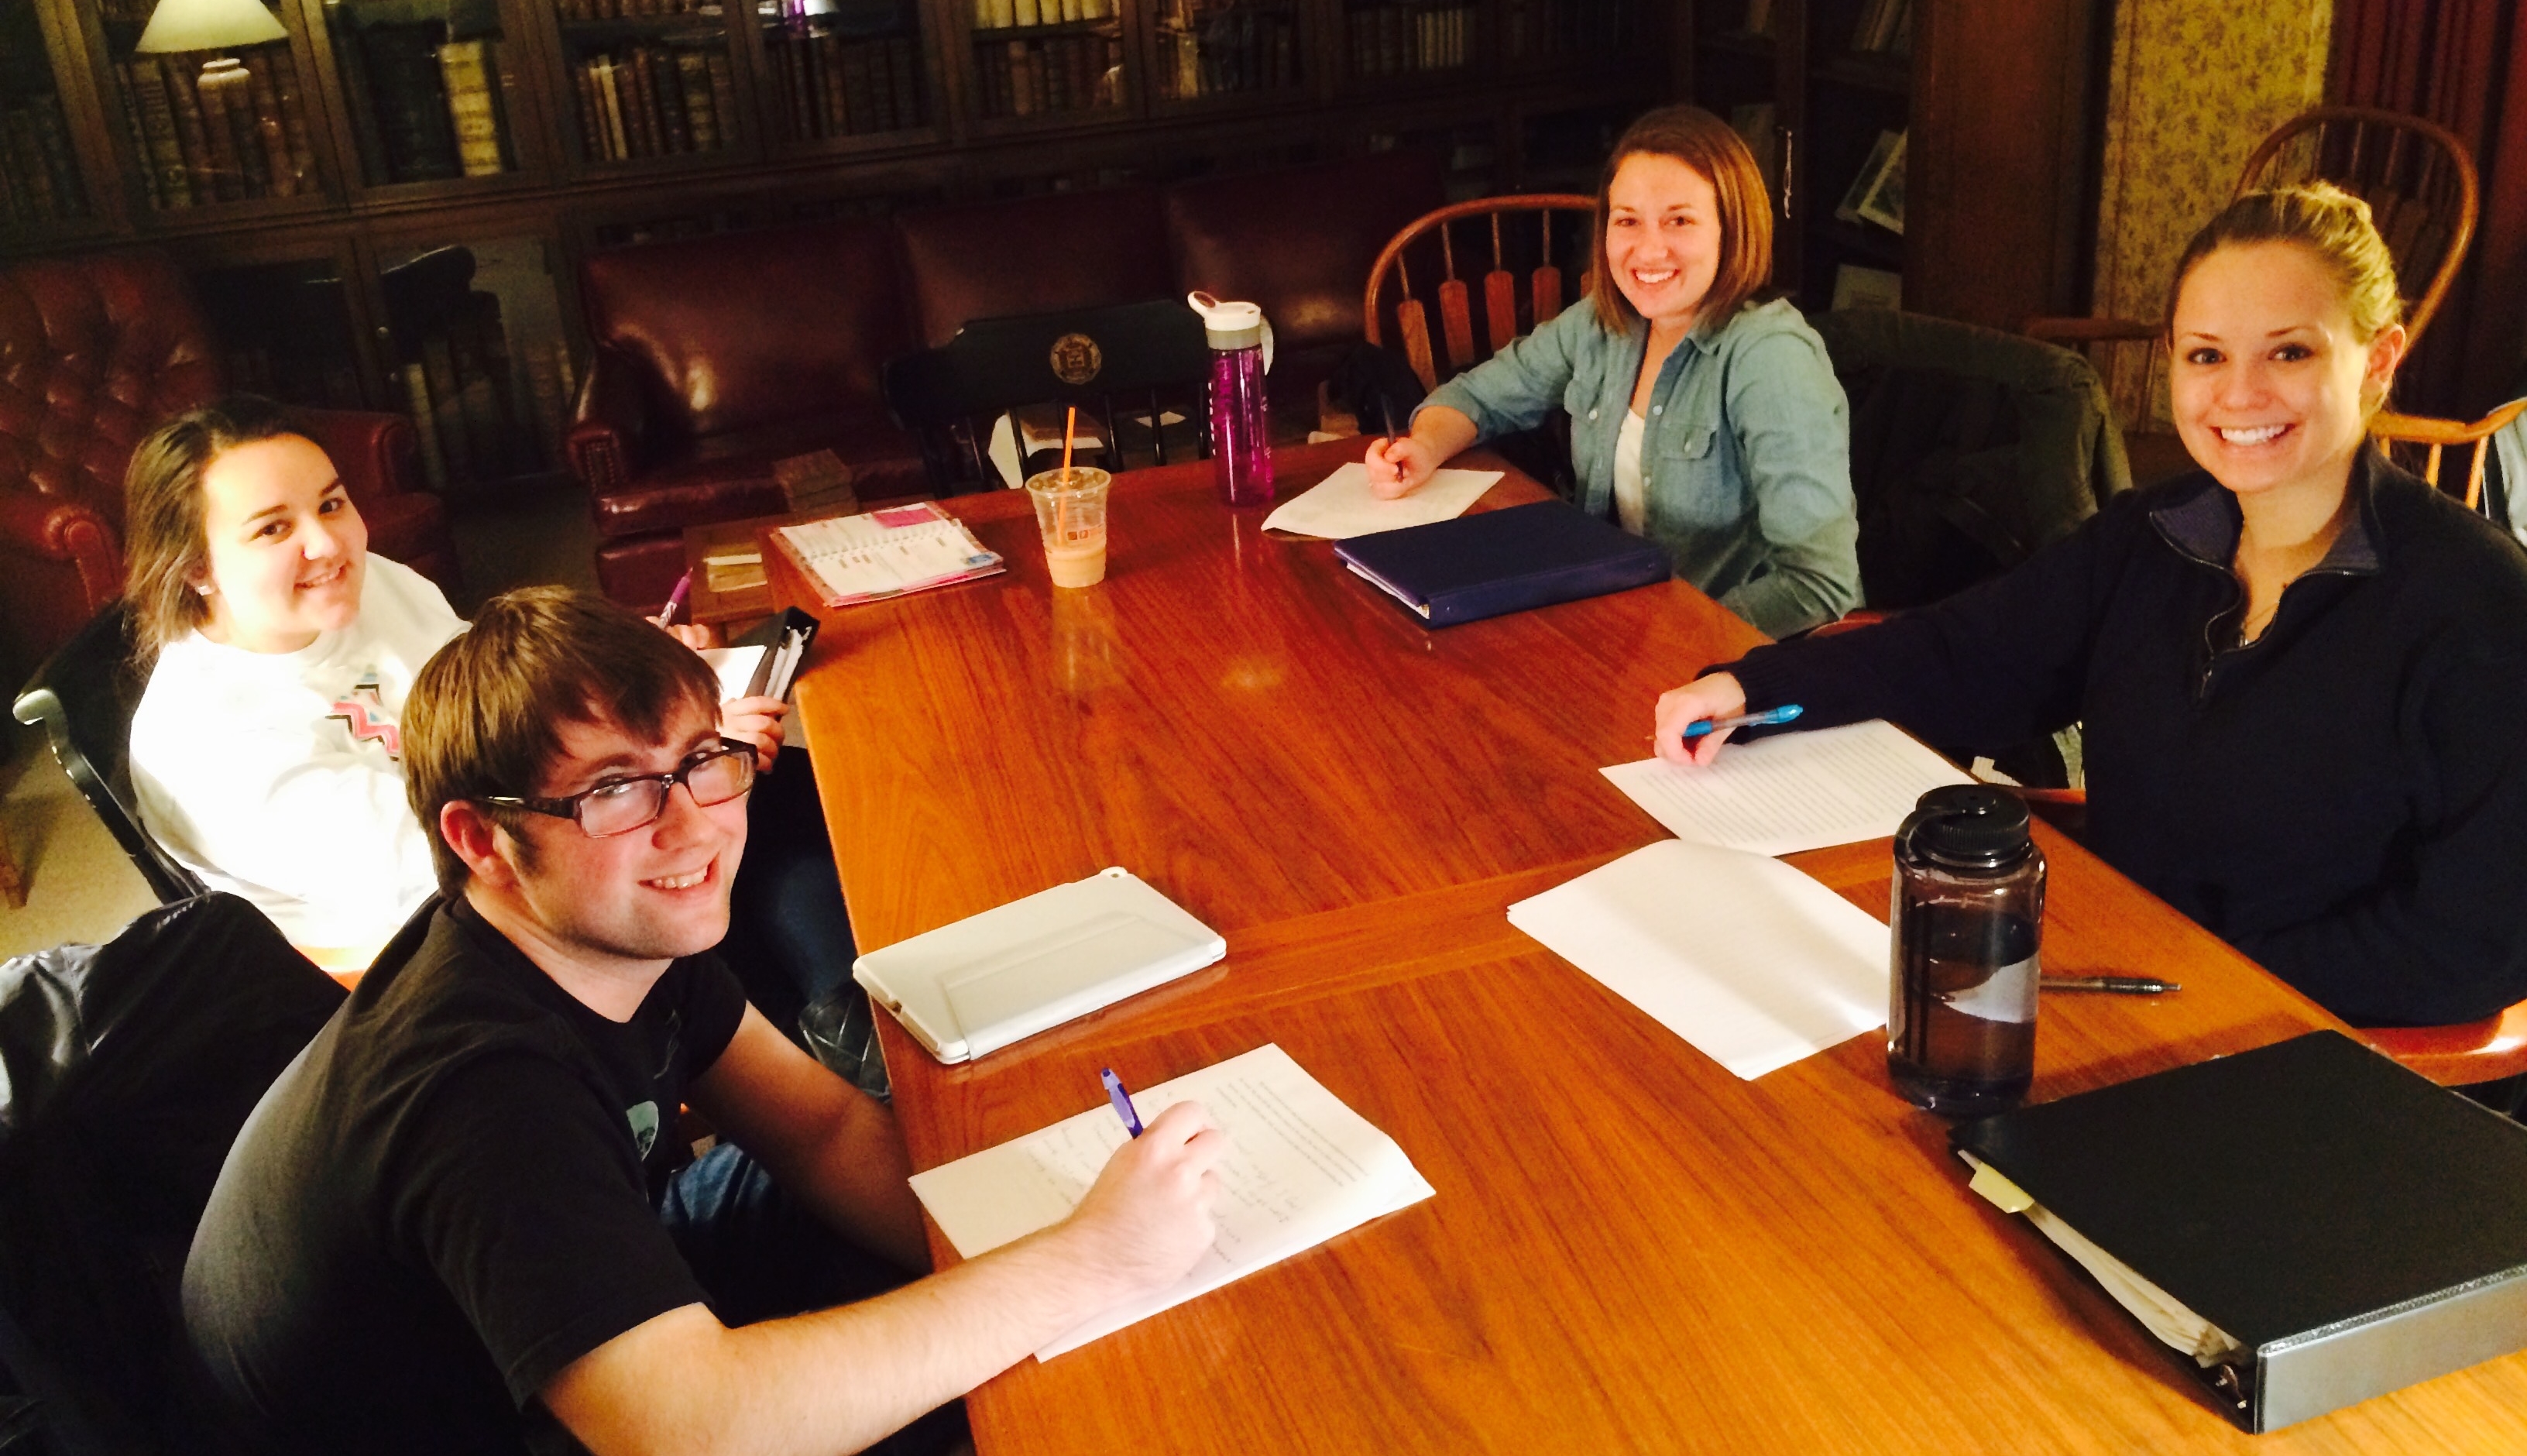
(2195, 86)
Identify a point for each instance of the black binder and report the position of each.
(2353, 1227)
(772, 635)
(1498, 561)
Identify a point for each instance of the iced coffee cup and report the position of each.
(1070, 510)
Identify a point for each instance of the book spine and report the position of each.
(591, 113)
(139, 129)
(281, 169)
(693, 78)
(158, 123)
(467, 77)
(219, 139)
(618, 134)
(903, 76)
(641, 106)
(861, 84)
(25, 167)
(723, 92)
(669, 95)
(544, 398)
(293, 101)
(1056, 55)
(414, 129)
(446, 412)
(416, 394)
(829, 87)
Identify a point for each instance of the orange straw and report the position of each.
(1069, 427)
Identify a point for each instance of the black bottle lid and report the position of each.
(1968, 826)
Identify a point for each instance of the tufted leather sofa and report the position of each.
(94, 353)
(716, 356)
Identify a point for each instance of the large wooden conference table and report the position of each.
(1630, 1249)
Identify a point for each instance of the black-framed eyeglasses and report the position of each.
(619, 805)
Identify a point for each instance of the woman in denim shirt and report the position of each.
(1706, 422)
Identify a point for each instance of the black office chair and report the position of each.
(83, 697)
(1139, 356)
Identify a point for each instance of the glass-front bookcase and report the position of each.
(1207, 48)
(39, 170)
(844, 67)
(649, 82)
(1383, 39)
(1038, 59)
(425, 85)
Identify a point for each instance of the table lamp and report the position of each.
(211, 26)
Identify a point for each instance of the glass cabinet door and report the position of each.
(1385, 38)
(232, 125)
(1226, 48)
(647, 82)
(426, 86)
(39, 170)
(844, 67)
(1040, 59)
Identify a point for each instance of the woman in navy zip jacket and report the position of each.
(2301, 672)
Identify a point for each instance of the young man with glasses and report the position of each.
(464, 1221)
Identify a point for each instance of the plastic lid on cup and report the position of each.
(1229, 326)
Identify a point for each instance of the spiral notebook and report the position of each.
(850, 559)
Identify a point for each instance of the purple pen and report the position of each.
(676, 600)
(1121, 1099)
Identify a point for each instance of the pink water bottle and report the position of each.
(1241, 450)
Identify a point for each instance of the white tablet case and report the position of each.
(970, 988)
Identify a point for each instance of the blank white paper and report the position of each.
(1792, 791)
(1753, 963)
(1301, 1169)
(734, 667)
(1340, 506)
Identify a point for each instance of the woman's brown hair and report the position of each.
(1705, 143)
(166, 553)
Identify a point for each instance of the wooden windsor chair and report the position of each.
(2433, 436)
(1522, 230)
(2423, 191)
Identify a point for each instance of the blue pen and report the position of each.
(1121, 1099)
(1771, 719)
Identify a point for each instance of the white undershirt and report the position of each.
(1631, 510)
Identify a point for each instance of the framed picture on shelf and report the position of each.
(1876, 193)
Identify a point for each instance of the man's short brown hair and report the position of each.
(485, 714)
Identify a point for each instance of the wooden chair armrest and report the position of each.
(2457, 1055)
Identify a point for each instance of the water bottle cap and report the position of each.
(1229, 326)
(1968, 826)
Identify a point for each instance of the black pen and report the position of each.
(2126, 985)
(1386, 411)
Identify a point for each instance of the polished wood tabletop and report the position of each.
(1630, 1249)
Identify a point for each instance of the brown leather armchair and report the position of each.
(94, 352)
(716, 357)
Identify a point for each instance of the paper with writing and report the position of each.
(1340, 506)
(884, 553)
(1301, 1168)
(1752, 962)
(1792, 791)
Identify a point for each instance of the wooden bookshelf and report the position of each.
(1994, 99)
(799, 109)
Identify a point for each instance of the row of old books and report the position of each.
(1227, 49)
(1050, 73)
(218, 142)
(466, 401)
(626, 10)
(654, 101)
(1532, 29)
(1398, 39)
(831, 86)
(1884, 28)
(39, 181)
(426, 108)
(1001, 15)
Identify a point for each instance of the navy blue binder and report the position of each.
(1497, 561)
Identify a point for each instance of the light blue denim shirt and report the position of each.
(1745, 460)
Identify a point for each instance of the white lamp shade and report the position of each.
(208, 25)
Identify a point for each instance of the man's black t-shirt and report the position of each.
(448, 1197)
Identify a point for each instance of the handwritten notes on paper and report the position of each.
(1340, 506)
(1752, 962)
(1793, 791)
(1301, 1169)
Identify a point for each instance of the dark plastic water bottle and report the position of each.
(1968, 917)
(1241, 445)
